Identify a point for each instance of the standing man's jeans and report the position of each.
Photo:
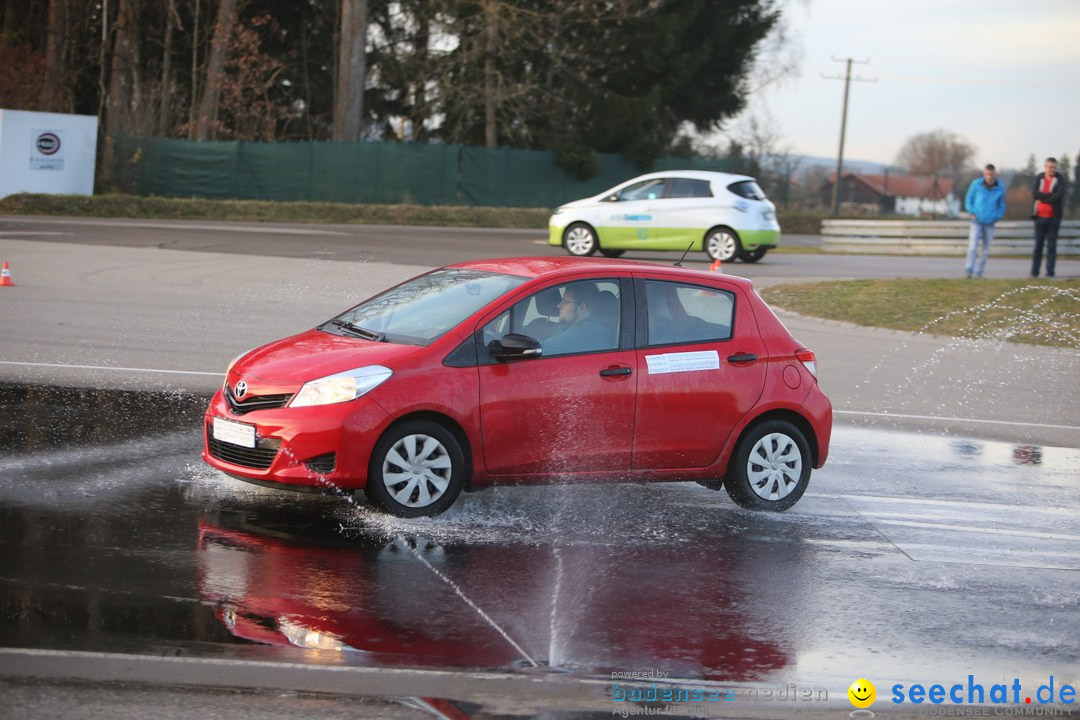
(1046, 230)
(981, 236)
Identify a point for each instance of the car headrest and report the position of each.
(547, 302)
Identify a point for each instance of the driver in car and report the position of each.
(586, 322)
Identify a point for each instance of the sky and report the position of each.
(1003, 74)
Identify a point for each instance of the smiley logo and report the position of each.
(862, 693)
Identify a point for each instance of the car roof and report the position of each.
(710, 175)
(553, 267)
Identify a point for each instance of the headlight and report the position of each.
(558, 211)
(304, 637)
(342, 387)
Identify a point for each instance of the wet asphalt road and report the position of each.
(912, 558)
(909, 560)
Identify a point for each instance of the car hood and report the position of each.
(584, 202)
(315, 354)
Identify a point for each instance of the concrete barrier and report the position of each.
(937, 237)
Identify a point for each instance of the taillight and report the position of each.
(808, 359)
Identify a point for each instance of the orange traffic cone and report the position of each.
(716, 266)
(5, 276)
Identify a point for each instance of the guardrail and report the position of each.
(933, 237)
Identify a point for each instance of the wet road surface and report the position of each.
(911, 559)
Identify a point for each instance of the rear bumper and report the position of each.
(754, 239)
(818, 409)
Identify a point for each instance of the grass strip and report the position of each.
(1038, 312)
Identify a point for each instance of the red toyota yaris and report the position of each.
(530, 370)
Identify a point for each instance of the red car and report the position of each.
(530, 370)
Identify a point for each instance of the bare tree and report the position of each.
(352, 71)
(172, 21)
(206, 120)
(54, 96)
(121, 91)
(941, 153)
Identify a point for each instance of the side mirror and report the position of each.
(515, 347)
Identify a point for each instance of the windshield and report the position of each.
(420, 310)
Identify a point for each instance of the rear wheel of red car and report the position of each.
(417, 469)
(771, 467)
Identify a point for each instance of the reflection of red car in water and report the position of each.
(404, 602)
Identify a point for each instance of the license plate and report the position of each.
(234, 432)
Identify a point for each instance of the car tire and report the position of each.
(611, 253)
(722, 244)
(580, 240)
(771, 467)
(752, 256)
(416, 469)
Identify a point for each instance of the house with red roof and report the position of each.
(890, 194)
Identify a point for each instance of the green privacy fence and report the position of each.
(365, 172)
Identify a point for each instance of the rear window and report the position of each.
(680, 314)
(747, 189)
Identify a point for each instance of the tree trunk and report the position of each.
(166, 70)
(193, 112)
(9, 31)
(118, 105)
(54, 96)
(491, 38)
(215, 71)
(352, 70)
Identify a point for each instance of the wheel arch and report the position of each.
(720, 226)
(586, 223)
(788, 415)
(446, 422)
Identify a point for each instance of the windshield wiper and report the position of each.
(359, 331)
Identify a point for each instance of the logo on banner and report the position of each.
(47, 152)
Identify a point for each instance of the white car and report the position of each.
(726, 216)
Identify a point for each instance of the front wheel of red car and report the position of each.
(416, 469)
(771, 467)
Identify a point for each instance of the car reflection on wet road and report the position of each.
(912, 557)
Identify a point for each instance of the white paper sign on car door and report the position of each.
(683, 362)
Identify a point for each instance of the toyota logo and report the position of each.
(241, 389)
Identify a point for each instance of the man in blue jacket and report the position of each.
(986, 202)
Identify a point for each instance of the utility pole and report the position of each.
(843, 124)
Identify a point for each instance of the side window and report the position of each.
(679, 313)
(687, 188)
(578, 317)
(644, 190)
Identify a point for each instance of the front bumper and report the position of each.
(326, 446)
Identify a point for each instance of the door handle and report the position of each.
(742, 358)
(615, 372)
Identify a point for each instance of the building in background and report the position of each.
(888, 194)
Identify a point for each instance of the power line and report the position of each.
(843, 123)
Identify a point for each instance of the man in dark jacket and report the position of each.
(1049, 192)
